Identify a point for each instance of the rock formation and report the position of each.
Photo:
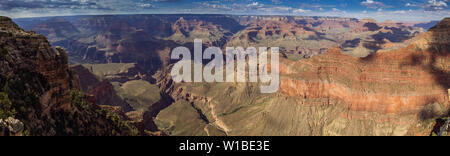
(101, 90)
(38, 89)
(397, 92)
(148, 39)
(11, 126)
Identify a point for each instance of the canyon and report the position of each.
(397, 92)
(339, 76)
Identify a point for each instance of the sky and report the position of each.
(381, 10)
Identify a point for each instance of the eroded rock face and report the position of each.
(101, 91)
(30, 54)
(394, 82)
(39, 90)
(385, 83)
(105, 94)
(397, 92)
(12, 126)
(148, 39)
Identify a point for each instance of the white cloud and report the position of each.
(373, 4)
(399, 12)
(369, 2)
(301, 11)
(254, 4)
(410, 5)
(146, 5)
(435, 5)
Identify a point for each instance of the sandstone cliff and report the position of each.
(397, 92)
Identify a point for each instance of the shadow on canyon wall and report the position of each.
(437, 52)
(441, 76)
(148, 124)
(374, 42)
(393, 35)
(433, 60)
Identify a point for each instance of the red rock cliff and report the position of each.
(394, 82)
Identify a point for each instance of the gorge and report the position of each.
(338, 76)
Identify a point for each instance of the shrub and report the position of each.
(78, 100)
(91, 116)
(6, 109)
(4, 18)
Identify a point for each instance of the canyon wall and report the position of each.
(39, 90)
(397, 92)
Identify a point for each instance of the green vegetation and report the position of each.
(91, 117)
(20, 89)
(78, 99)
(6, 109)
(20, 98)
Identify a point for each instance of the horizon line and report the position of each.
(122, 14)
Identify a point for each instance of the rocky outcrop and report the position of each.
(100, 91)
(39, 90)
(86, 78)
(105, 94)
(185, 31)
(11, 126)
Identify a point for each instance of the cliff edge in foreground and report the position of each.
(39, 94)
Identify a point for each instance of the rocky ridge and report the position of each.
(39, 90)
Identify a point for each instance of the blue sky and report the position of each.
(397, 10)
